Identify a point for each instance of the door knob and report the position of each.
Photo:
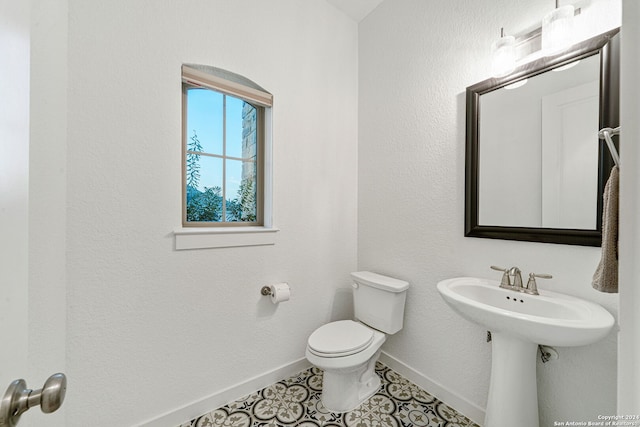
(18, 398)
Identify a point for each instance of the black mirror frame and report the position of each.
(608, 45)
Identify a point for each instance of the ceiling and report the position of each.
(356, 9)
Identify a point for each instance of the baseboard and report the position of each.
(188, 412)
(459, 403)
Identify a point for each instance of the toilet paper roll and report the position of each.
(280, 292)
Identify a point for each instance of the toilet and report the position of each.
(347, 350)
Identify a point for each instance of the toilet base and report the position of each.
(346, 389)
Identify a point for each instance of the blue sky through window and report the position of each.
(204, 116)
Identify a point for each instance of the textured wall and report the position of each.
(416, 59)
(629, 349)
(151, 329)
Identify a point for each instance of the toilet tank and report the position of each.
(379, 300)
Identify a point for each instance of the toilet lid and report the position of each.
(340, 338)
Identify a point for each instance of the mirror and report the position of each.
(535, 168)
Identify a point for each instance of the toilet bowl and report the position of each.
(347, 350)
(348, 361)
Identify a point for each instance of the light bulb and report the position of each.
(503, 56)
(557, 30)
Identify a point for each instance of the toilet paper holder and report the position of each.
(279, 292)
(266, 290)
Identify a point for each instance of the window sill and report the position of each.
(204, 238)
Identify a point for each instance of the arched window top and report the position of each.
(227, 82)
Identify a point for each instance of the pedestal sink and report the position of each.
(518, 323)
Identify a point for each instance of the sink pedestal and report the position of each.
(520, 322)
(513, 391)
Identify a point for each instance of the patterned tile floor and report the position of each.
(296, 402)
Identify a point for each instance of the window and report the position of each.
(224, 122)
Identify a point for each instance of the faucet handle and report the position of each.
(532, 286)
(505, 282)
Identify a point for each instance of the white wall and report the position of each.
(151, 329)
(629, 338)
(416, 59)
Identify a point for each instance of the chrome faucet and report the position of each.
(516, 282)
(512, 280)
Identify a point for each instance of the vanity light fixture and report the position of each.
(557, 30)
(503, 55)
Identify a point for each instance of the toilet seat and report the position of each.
(339, 339)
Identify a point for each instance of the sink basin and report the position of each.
(518, 323)
(550, 318)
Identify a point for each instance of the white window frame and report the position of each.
(229, 234)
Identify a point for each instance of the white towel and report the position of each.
(605, 279)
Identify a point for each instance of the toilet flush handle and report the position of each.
(354, 285)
